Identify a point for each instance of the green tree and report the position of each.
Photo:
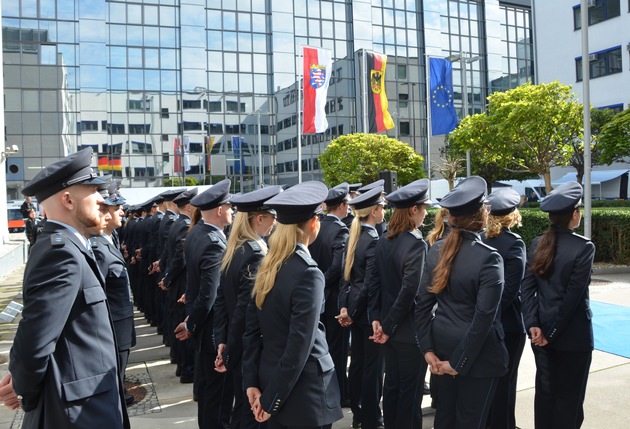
(614, 139)
(527, 129)
(599, 118)
(359, 158)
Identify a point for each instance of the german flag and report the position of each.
(109, 162)
(379, 118)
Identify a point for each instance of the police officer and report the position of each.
(380, 227)
(174, 282)
(64, 345)
(288, 373)
(557, 312)
(113, 267)
(463, 341)
(504, 215)
(204, 248)
(365, 376)
(245, 250)
(392, 286)
(353, 189)
(327, 250)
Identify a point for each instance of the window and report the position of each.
(139, 128)
(164, 137)
(191, 104)
(114, 149)
(195, 147)
(188, 126)
(232, 129)
(216, 128)
(234, 106)
(402, 103)
(401, 71)
(403, 126)
(140, 172)
(212, 106)
(87, 126)
(139, 105)
(165, 113)
(602, 11)
(115, 129)
(141, 147)
(601, 63)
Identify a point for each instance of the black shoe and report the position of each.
(128, 399)
(427, 389)
(195, 398)
(178, 371)
(356, 425)
(186, 379)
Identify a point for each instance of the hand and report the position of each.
(182, 299)
(219, 365)
(447, 369)
(432, 361)
(343, 318)
(253, 393)
(161, 285)
(538, 339)
(7, 394)
(181, 333)
(376, 324)
(379, 337)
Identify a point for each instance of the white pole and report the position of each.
(427, 72)
(364, 92)
(462, 61)
(586, 99)
(299, 106)
(260, 166)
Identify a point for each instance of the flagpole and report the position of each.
(364, 91)
(299, 117)
(427, 73)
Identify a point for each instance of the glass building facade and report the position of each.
(164, 89)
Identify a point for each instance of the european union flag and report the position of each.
(443, 115)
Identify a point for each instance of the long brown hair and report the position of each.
(546, 250)
(450, 248)
(194, 219)
(400, 222)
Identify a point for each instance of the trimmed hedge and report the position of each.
(610, 231)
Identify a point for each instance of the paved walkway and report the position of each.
(169, 404)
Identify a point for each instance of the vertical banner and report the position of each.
(109, 162)
(177, 156)
(239, 160)
(443, 114)
(379, 118)
(185, 153)
(317, 67)
(209, 144)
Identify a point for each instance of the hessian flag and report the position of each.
(317, 69)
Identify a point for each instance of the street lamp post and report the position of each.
(464, 59)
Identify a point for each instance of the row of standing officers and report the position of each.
(251, 321)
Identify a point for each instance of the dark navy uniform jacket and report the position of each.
(466, 330)
(112, 265)
(232, 299)
(354, 296)
(165, 225)
(204, 249)
(560, 304)
(512, 249)
(393, 284)
(175, 270)
(64, 357)
(285, 351)
(327, 250)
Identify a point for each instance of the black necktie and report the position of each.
(115, 240)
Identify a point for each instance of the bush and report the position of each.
(610, 231)
(594, 203)
(177, 181)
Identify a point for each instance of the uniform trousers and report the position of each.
(365, 377)
(561, 378)
(463, 402)
(272, 425)
(337, 339)
(242, 416)
(404, 383)
(214, 391)
(502, 408)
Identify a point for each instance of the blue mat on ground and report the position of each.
(611, 328)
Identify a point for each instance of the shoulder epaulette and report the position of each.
(255, 246)
(160, 215)
(513, 234)
(341, 224)
(415, 233)
(215, 238)
(187, 221)
(172, 217)
(57, 240)
(93, 242)
(305, 256)
(372, 233)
